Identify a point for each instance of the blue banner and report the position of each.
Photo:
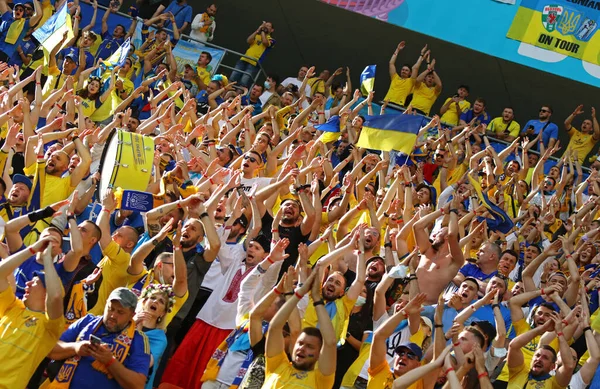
(134, 200)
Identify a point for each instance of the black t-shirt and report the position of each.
(294, 234)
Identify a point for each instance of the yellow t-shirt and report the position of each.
(452, 115)
(499, 127)
(114, 274)
(340, 321)
(424, 97)
(106, 109)
(399, 89)
(257, 49)
(521, 327)
(580, 142)
(381, 377)
(204, 75)
(179, 301)
(26, 338)
(519, 379)
(55, 81)
(55, 189)
(316, 84)
(280, 374)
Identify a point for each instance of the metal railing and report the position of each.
(492, 139)
(220, 64)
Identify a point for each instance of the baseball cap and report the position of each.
(412, 347)
(263, 241)
(19, 4)
(41, 275)
(71, 55)
(427, 322)
(487, 328)
(19, 178)
(126, 297)
(375, 258)
(187, 65)
(242, 220)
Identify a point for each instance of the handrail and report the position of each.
(226, 50)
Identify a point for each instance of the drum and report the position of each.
(126, 161)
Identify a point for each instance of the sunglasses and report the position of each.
(407, 354)
(544, 110)
(249, 158)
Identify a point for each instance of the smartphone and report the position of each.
(96, 341)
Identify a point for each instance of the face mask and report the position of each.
(267, 85)
(360, 301)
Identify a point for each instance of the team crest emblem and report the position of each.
(124, 339)
(569, 21)
(550, 16)
(32, 321)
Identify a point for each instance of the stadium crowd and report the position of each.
(275, 253)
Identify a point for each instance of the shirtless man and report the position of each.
(441, 258)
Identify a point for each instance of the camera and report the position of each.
(293, 88)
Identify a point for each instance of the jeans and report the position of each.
(244, 79)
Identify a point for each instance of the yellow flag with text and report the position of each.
(566, 27)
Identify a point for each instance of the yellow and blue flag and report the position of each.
(331, 129)
(51, 32)
(566, 27)
(500, 220)
(367, 79)
(390, 132)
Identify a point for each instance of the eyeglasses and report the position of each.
(407, 354)
(544, 110)
(249, 158)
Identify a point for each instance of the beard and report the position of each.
(437, 245)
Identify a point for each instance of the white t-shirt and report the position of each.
(265, 97)
(298, 83)
(221, 307)
(577, 382)
(260, 182)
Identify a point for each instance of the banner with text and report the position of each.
(566, 27)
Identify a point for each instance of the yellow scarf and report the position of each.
(120, 350)
(14, 31)
(77, 307)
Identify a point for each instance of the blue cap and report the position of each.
(19, 178)
(412, 347)
(41, 275)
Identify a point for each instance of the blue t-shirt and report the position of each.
(135, 220)
(550, 132)
(182, 14)
(89, 58)
(158, 344)
(471, 270)
(487, 313)
(5, 21)
(85, 376)
(28, 47)
(108, 45)
(257, 106)
(24, 273)
(482, 118)
(447, 317)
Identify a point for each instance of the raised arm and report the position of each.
(180, 284)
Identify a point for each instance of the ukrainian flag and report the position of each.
(116, 59)
(390, 132)
(51, 32)
(500, 220)
(367, 79)
(331, 130)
